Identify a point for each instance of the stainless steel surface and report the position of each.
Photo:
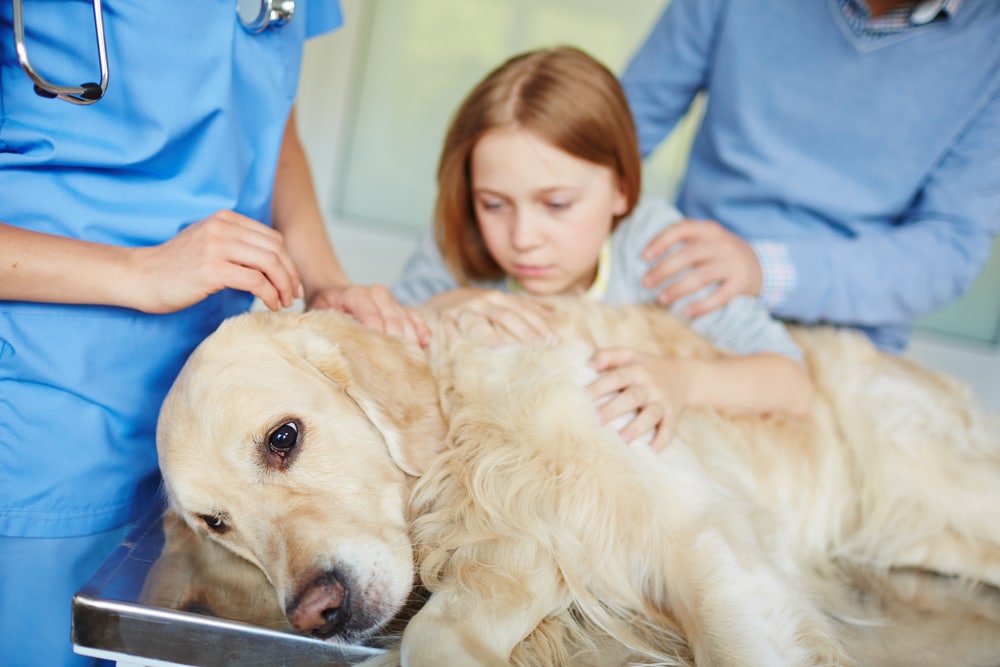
(170, 595)
(167, 595)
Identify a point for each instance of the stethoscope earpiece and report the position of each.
(86, 93)
(41, 92)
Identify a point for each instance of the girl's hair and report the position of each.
(562, 95)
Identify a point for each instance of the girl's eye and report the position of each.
(491, 204)
(558, 205)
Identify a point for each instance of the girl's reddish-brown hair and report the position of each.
(563, 96)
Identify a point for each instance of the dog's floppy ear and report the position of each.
(387, 377)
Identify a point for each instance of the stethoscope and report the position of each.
(254, 16)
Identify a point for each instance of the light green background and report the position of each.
(420, 57)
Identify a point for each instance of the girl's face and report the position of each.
(543, 213)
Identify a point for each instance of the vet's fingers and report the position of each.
(419, 325)
(273, 265)
(257, 246)
(252, 281)
(376, 307)
(395, 318)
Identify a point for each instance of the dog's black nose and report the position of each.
(320, 609)
(335, 620)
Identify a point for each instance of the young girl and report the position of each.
(538, 192)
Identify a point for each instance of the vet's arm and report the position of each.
(297, 216)
(659, 389)
(224, 250)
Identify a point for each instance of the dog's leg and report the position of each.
(460, 628)
(930, 507)
(738, 608)
(924, 459)
(740, 597)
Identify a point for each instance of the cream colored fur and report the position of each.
(542, 538)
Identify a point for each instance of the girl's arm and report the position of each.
(659, 389)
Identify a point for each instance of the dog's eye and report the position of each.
(214, 522)
(283, 439)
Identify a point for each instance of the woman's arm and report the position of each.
(659, 389)
(298, 218)
(296, 215)
(224, 250)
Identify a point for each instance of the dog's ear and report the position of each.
(386, 376)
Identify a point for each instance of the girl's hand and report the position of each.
(510, 316)
(375, 307)
(224, 250)
(641, 386)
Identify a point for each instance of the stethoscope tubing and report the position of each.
(270, 13)
(86, 93)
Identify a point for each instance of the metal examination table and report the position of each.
(169, 597)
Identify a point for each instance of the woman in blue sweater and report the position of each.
(854, 143)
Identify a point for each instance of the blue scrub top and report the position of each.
(191, 123)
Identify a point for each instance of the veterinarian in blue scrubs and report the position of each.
(123, 225)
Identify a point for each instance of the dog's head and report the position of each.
(195, 575)
(292, 440)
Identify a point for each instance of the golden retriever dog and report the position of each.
(923, 619)
(342, 461)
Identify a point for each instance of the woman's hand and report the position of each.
(510, 316)
(224, 250)
(706, 253)
(640, 389)
(375, 307)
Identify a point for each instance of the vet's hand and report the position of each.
(511, 317)
(224, 250)
(710, 254)
(640, 384)
(375, 307)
